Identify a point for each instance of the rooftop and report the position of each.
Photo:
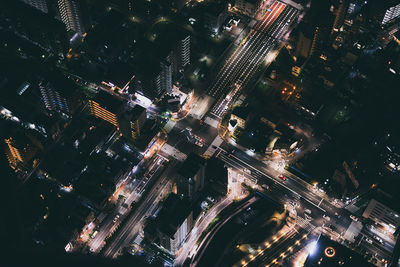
(109, 102)
(191, 165)
(329, 253)
(173, 214)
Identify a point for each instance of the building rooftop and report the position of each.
(241, 112)
(191, 165)
(109, 102)
(328, 253)
(173, 213)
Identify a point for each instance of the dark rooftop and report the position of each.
(329, 253)
(191, 165)
(109, 102)
(173, 214)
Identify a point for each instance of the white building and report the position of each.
(71, 15)
(382, 215)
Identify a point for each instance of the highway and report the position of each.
(189, 247)
(278, 250)
(144, 209)
(290, 190)
(243, 64)
(135, 189)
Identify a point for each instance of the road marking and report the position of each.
(275, 180)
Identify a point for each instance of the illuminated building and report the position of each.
(53, 100)
(248, 7)
(325, 252)
(71, 15)
(131, 122)
(340, 15)
(391, 13)
(19, 152)
(106, 107)
(165, 77)
(241, 116)
(184, 51)
(38, 4)
(382, 215)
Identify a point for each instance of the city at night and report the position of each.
(200, 133)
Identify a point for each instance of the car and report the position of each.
(326, 217)
(379, 239)
(307, 211)
(368, 240)
(354, 218)
(281, 176)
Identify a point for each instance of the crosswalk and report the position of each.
(305, 224)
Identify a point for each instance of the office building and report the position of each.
(131, 122)
(247, 7)
(19, 152)
(241, 116)
(38, 4)
(391, 13)
(340, 15)
(165, 76)
(184, 51)
(71, 16)
(191, 176)
(304, 41)
(386, 218)
(106, 107)
(53, 99)
(214, 16)
(174, 223)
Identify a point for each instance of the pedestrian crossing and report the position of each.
(305, 224)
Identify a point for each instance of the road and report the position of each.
(208, 238)
(290, 190)
(146, 207)
(135, 188)
(243, 64)
(189, 247)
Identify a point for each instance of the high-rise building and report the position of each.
(304, 43)
(131, 122)
(71, 15)
(53, 99)
(106, 107)
(214, 16)
(38, 4)
(165, 76)
(391, 14)
(184, 51)
(173, 223)
(19, 152)
(340, 14)
(191, 176)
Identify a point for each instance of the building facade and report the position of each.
(38, 4)
(71, 16)
(382, 215)
(106, 107)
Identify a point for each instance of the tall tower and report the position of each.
(166, 76)
(184, 51)
(71, 15)
(340, 15)
(38, 4)
(106, 107)
(53, 100)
